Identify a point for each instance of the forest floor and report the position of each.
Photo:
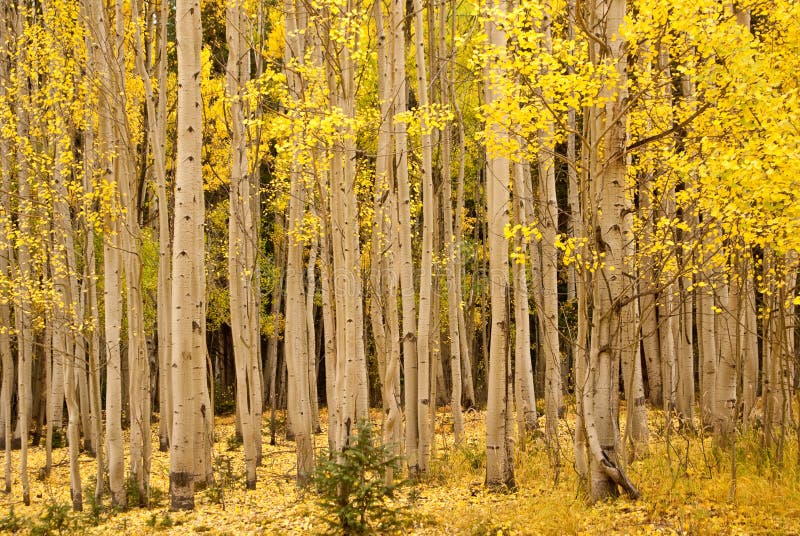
(686, 489)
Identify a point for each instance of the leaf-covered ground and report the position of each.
(686, 489)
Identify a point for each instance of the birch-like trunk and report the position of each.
(527, 419)
(728, 296)
(155, 109)
(91, 316)
(6, 260)
(424, 361)
(23, 307)
(242, 247)
(6, 360)
(385, 325)
(548, 217)
(296, 350)
(63, 341)
(499, 443)
(609, 289)
(188, 351)
(405, 266)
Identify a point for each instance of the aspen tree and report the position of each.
(352, 396)
(607, 169)
(242, 247)
(458, 236)
(6, 258)
(453, 265)
(296, 350)
(424, 360)
(311, 336)
(778, 332)
(648, 284)
(155, 108)
(554, 406)
(728, 302)
(384, 304)
(578, 203)
(63, 270)
(706, 334)
(499, 442)
(131, 239)
(636, 428)
(91, 317)
(523, 368)
(405, 267)
(749, 346)
(103, 43)
(23, 306)
(271, 369)
(328, 306)
(188, 288)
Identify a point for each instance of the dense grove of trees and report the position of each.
(404, 205)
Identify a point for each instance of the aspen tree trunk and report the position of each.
(772, 393)
(648, 296)
(706, 334)
(636, 428)
(405, 265)
(384, 243)
(648, 270)
(164, 293)
(94, 365)
(81, 368)
(113, 325)
(91, 315)
(351, 381)
(6, 259)
(22, 309)
(426, 270)
(684, 343)
(155, 108)
(99, 30)
(728, 294)
(296, 340)
(609, 291)
(499, 447)
(458, 236)
(578, 203)
(378, 238)
(63, 341)
(749, 343)
(573, 195)
(453, 265)
(47, 350)
(778, 348)
(138, 377)
(271, 370)
(242, 247)
(311, 365)
(187, 275)
(328, 308)
(666, 338)
(296, 351)
(554, 405)
(527, 418)
(55, 395)
(6, 358)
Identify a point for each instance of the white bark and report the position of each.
(499, 446)
(607, 171)
(424, 360)
(242, 248)
(188, 272)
